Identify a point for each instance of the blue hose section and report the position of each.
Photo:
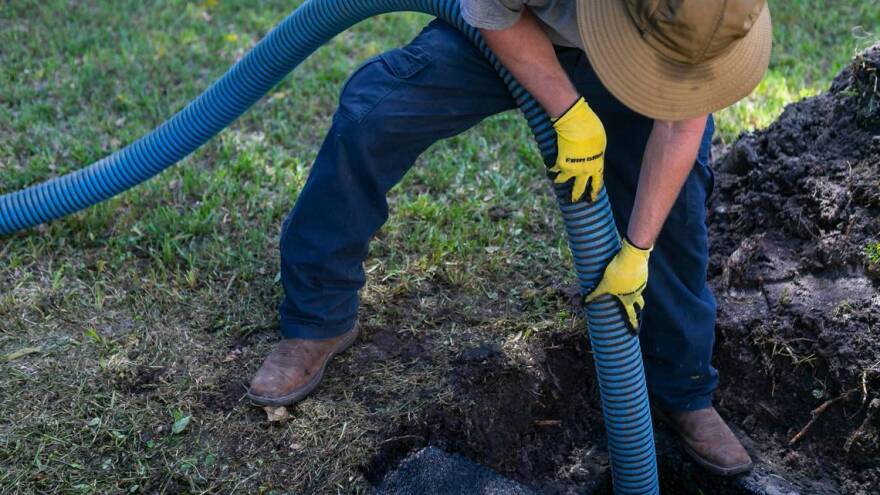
(594, 240)
(592, 233)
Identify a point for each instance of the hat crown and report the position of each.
(693, 31)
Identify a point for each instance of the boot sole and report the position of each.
(301, 393)
(701, 461)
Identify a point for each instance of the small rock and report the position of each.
(432, 470)
(480, 353)
(741, 158)
(749, 423)
(276, 414)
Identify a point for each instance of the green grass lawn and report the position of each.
(118, 323)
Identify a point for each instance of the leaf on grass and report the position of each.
(12, 356)
(180, 424)
(276, 414)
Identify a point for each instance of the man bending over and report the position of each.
(631, 86)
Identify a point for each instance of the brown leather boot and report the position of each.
(294, 368)
(708, 440)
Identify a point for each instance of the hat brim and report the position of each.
(659, 87)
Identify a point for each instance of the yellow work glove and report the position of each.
(625, 278)
(580, 140)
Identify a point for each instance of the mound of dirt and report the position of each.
(794, 226)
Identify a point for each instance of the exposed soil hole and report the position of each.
(383, 343)
(792, 224)
(524, 421)
(539, 425)
(142, 379)
(229, 393)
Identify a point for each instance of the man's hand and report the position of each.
(581, 144)
(669, 157)
(527, 53)
(625, 278)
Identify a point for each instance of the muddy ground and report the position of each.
(795, 208)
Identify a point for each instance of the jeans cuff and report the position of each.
(683, 404)
(296, 330)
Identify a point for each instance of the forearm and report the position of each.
(669, 157)
(526, 51)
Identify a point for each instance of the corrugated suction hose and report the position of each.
(591, 231)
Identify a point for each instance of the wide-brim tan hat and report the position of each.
(658, 86)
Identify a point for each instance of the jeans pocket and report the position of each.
(711, 187)
(701, 181)
(698, 190)
(406, 62)
(377, 78)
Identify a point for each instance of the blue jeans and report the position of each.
(398, 104)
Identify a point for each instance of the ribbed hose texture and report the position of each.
(590, 227)
(593, 239)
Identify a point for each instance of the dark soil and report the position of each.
(143, 379)
(794, 209)
(523, 421)
(796, 206)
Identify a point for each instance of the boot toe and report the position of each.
(265, 384)
(275, 379)
(710, 442)
(294, 368)
(726, 459)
